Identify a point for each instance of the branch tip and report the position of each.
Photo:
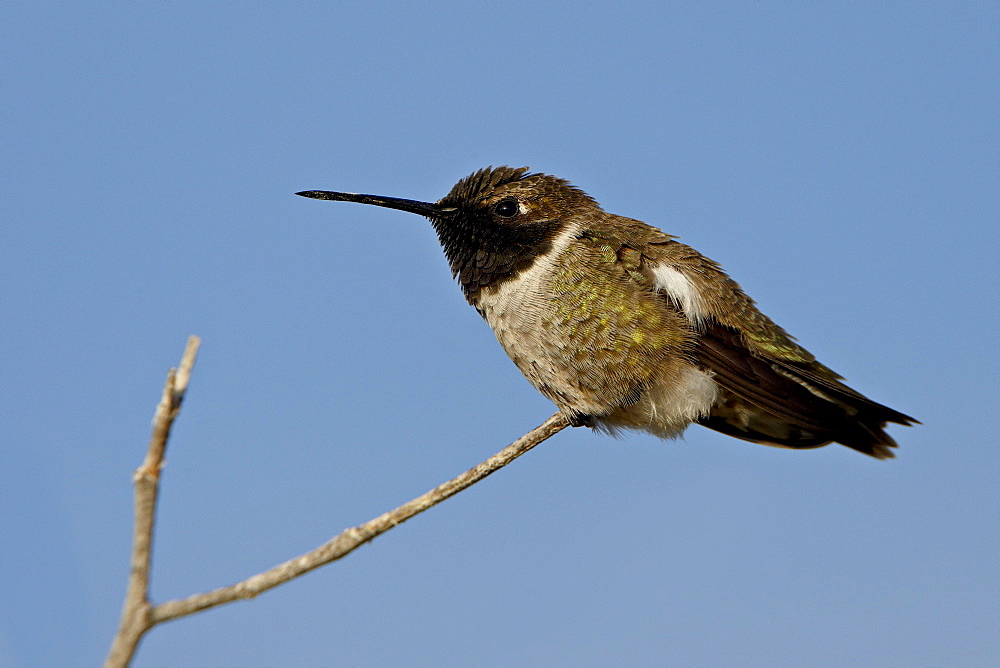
(183, 375)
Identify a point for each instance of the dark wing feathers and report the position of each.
(787, 404)
(755, 380)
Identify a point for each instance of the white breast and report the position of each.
(506, 301)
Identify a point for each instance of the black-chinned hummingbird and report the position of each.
(624, 327)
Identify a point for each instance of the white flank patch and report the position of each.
(686, 401)
(680, 288)
(667, 408)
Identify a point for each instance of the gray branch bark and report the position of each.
(139, 615)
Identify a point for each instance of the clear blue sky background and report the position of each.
(841, 161)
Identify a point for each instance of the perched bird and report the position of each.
(623, 327)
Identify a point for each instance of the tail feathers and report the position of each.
(866, 431)
(858, 424)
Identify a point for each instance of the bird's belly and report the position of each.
(547, 356)
(599, 361)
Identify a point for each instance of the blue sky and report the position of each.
(840, 160)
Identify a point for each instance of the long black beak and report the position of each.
(427, 209)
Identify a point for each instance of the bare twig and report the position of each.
(136, 619)
(139, 615)
(350, 539)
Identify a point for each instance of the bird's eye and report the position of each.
(506, 208)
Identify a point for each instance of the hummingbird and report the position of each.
(624, 327)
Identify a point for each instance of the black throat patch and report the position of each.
(483, 252)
